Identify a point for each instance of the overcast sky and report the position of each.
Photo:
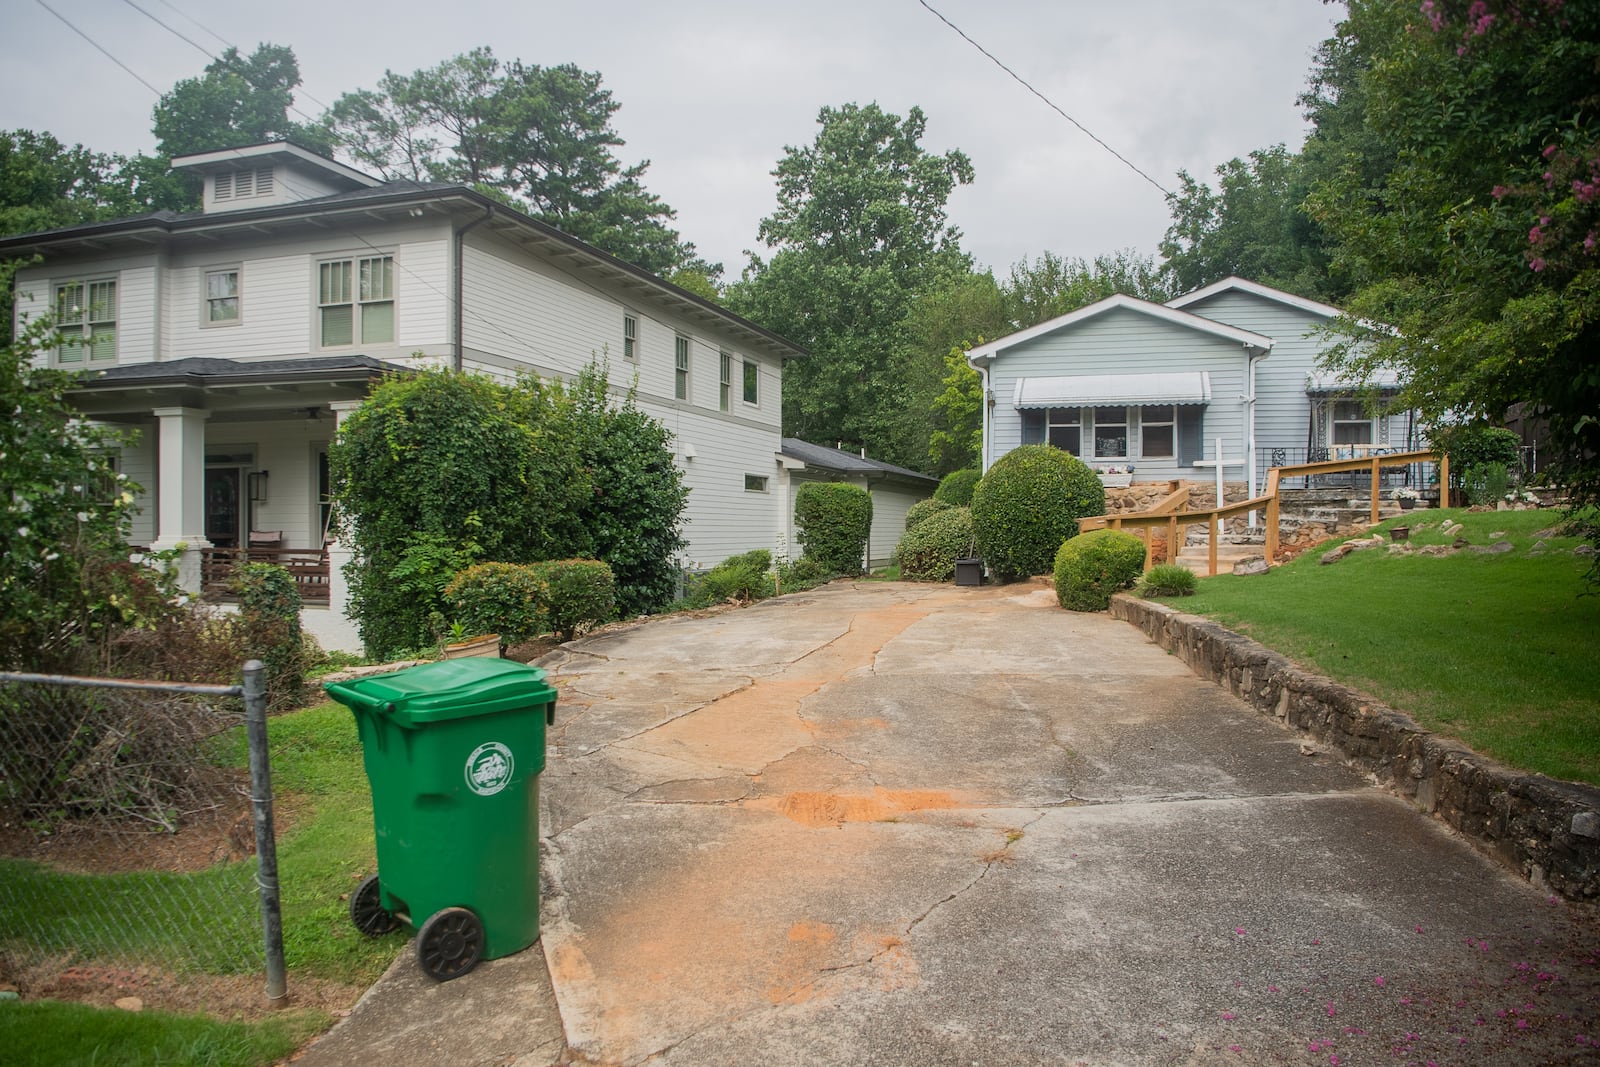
(713, 90)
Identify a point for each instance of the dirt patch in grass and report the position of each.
(235, 997)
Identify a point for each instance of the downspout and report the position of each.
(456, 329)
(986, 400)
(1251, 358)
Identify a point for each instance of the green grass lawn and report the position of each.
(322, 852)
(54, 1034)
(1498, 651)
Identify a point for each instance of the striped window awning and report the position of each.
(1109, 390)
(1322, 383)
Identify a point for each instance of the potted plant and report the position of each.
(1115, 476)
(1406, 497)
(459, 644)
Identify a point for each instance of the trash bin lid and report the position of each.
(448, 689)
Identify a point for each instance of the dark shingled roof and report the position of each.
(204, 367)
(833, 459)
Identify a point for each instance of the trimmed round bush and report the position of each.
(498, 598)
(1092, 566)
(923, 510)
(832, 522)
(579, 594)
(956, 488)
(1028, 503)
(928, 552)
(1167, 579)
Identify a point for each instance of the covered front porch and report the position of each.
(233, 458)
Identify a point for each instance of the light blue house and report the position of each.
(1160, 388)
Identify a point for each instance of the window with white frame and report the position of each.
(1158, 431)
(725, 385)
(221, 297)
(86, 322)
(752, 382)
(630, 337)
(755, 483)
(1059, 427)
(680, 368)
(1352, 423)
(355, 300)
(1110, 433)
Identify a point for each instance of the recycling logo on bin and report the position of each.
(489, 768)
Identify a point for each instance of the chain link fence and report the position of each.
(131, 828)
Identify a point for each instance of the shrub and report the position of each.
(1028, 504)
(1092, 566)
(578, 594)
(1167, 579)
(1485, 483)
(739, 578)
(957, 486)
(498, 598)
(1477, 446)
(923, 510)
(929, 552)
(833, 522)
(269, 612)
(803, 573)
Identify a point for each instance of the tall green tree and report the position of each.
(1474, 233)
(859, 233)
(238, 100)
(1252, 225)
(541, 137)
(1042, 289)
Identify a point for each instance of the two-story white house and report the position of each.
(235, 338)
(1125, 383)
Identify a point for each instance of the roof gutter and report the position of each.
(457, 359)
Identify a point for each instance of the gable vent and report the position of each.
(224, 187)
(264, 183)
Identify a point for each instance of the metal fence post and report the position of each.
(255, 709)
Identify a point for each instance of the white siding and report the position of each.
(1122, 341)
(524, 313)
(138, 462)
(890, 502)
(136, 315)
(422, 287)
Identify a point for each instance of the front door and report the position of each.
(222, 506)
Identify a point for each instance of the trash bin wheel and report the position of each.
(367, 910)
(450, 944)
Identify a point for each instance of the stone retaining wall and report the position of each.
(1547, 830)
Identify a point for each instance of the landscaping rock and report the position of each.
(129, 1003)
(1586, 824)
(1500, 548)
(1583, 550)
(1251, 565)
(1334, 555)
(1435, 550)
(1497, 535)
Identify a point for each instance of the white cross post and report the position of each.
(1220, 463)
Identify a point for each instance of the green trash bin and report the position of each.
(453, 751)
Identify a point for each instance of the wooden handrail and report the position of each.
(1174, 520)
(1336, 466)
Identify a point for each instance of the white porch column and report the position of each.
(342, 629)
(180, 489)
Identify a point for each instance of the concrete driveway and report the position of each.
(890, 824)
(899, 824)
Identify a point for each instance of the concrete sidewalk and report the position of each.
(895, 824)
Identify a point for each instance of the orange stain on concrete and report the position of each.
(836, 809)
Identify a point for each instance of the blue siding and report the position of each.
(1123, 341)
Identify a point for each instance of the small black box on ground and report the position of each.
(969, 572)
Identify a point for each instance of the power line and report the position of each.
(191, 18)
(200, 47)
(98, 47)
(1051, 103)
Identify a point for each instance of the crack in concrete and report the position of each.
(1075, 801)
